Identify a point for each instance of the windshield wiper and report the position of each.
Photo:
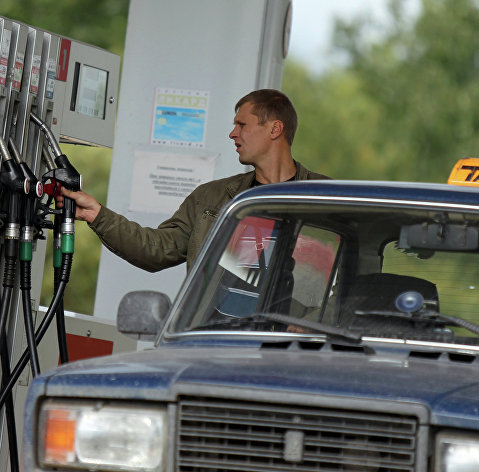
(254, 320)
(257, 319)
(314, 326)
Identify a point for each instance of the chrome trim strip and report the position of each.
(254, 334)
(466, 348)
(412, 203)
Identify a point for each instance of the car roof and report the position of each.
(410, 191)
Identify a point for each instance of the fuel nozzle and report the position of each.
(65, 172)
(13, 179)
(36, 191)
(17, 186)
(66, 175)
(11, 176)
(36, 187)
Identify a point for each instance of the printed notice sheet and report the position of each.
(179, 118)
(161, 181)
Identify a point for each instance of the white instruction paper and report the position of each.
(161, 181)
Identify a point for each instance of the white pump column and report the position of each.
(186, 64)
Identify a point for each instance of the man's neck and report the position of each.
(276, 171)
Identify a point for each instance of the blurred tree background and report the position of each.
(403, 105)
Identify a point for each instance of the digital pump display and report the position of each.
(89, 95)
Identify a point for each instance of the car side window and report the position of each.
(314, 256)
(273, 265)
(249, 250)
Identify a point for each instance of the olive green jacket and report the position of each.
(179, 238)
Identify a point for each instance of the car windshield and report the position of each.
(372, 271)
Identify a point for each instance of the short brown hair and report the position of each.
(271, 104)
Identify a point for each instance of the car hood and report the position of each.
(447, 385)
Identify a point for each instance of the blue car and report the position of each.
(325, 326)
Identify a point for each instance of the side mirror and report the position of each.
(141, 314)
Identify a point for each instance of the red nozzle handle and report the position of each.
(53, 188)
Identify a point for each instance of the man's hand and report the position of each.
(87, 207)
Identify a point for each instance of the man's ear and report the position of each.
(277, 128)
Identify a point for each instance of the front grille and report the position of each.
(222, 435)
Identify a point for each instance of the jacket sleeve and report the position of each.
(151, 249)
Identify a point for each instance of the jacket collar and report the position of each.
(245, 181)
(301, 172)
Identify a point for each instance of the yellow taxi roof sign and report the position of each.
(465, 172)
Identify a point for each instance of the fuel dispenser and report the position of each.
(52, 90)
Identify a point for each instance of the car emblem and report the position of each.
(293, 446)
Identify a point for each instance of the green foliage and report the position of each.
(405, 107)
(329, 139)
(98, 22)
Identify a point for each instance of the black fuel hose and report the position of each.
(25, 287)
(60, 312)
(16, 184)
(42, 329)
(6, 375)
(26, 253)
(10, 256)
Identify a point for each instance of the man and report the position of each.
(264, 128)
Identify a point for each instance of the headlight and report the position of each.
(457, 452)
(100, 436)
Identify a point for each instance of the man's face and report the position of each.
(252, 139)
